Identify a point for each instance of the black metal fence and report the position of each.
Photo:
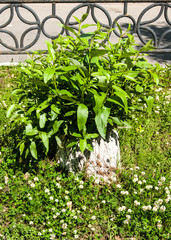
(144, 27)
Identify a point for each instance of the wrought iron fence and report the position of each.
(144, 27)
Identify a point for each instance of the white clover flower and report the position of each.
(159, 225)
(31, 222)
(148, 187)
(131, 169)
(30, 198)
(149, 207)
(50, 230)
(136, 203)
(32, 185)
(156, 188)
(57, 214)
(75, 231)
(56, 200)
(36, 179)
(135, 180)
(89, 225)
(144, 208)
(64, 225)
(76, 236)
(97, 181)
(93, 229)
(66, 197)
(140, 182)
(128, 217)
(6, 179)
(135, 192)
(81, 182)
(84, 208)
(93, 217)
(162, 208)
(61, 221)
(58, 185)
(52, 236)
(126, 221)
(137, 168)
(123, 208)
(141, 190)
(129, 211)
(66, 192)
(39, 233)
(58, 178)
(168, 199)
(104, 201)
(163, 179)
(155, 208)
(81, 186)
(144, 181)
(51, 198)
(75, 217)
(47, 190)
(118, 186)
(63, 210)
(54, 216)
(142, 173)
(160, 183)
(160, 201)
(76, 179)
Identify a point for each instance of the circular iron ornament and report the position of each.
(141, 25)
(133, 28)
(10, 17)
(43, 26)
(90, 8)
(21, 47)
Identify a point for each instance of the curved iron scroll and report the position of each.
(144, 28)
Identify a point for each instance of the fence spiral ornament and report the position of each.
(35, 25)
(142, 26)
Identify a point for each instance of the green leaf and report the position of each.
(98, 52)
(76, 135)
(58, 140)
(42, 120)
(33, 149)
(45, 140)
(55, 109)
(57, 125)
(71, 144)
(139, 88)
(91, 135)
(22, 146)
(51, 51)
(99, 100)
(10, 110)
(83, 144)
(155, 77)
(30, 131)
(48, 74)
(149, 100)
(82, 115)
(101, 120)
(70, 113)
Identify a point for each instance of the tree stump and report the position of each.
(99, 163)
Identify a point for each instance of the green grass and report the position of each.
(41, 202)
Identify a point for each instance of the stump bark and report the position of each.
(99, 163)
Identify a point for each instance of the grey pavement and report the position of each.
(52, 28)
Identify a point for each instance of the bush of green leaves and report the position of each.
(83, 87)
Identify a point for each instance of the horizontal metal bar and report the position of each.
(81, 1)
